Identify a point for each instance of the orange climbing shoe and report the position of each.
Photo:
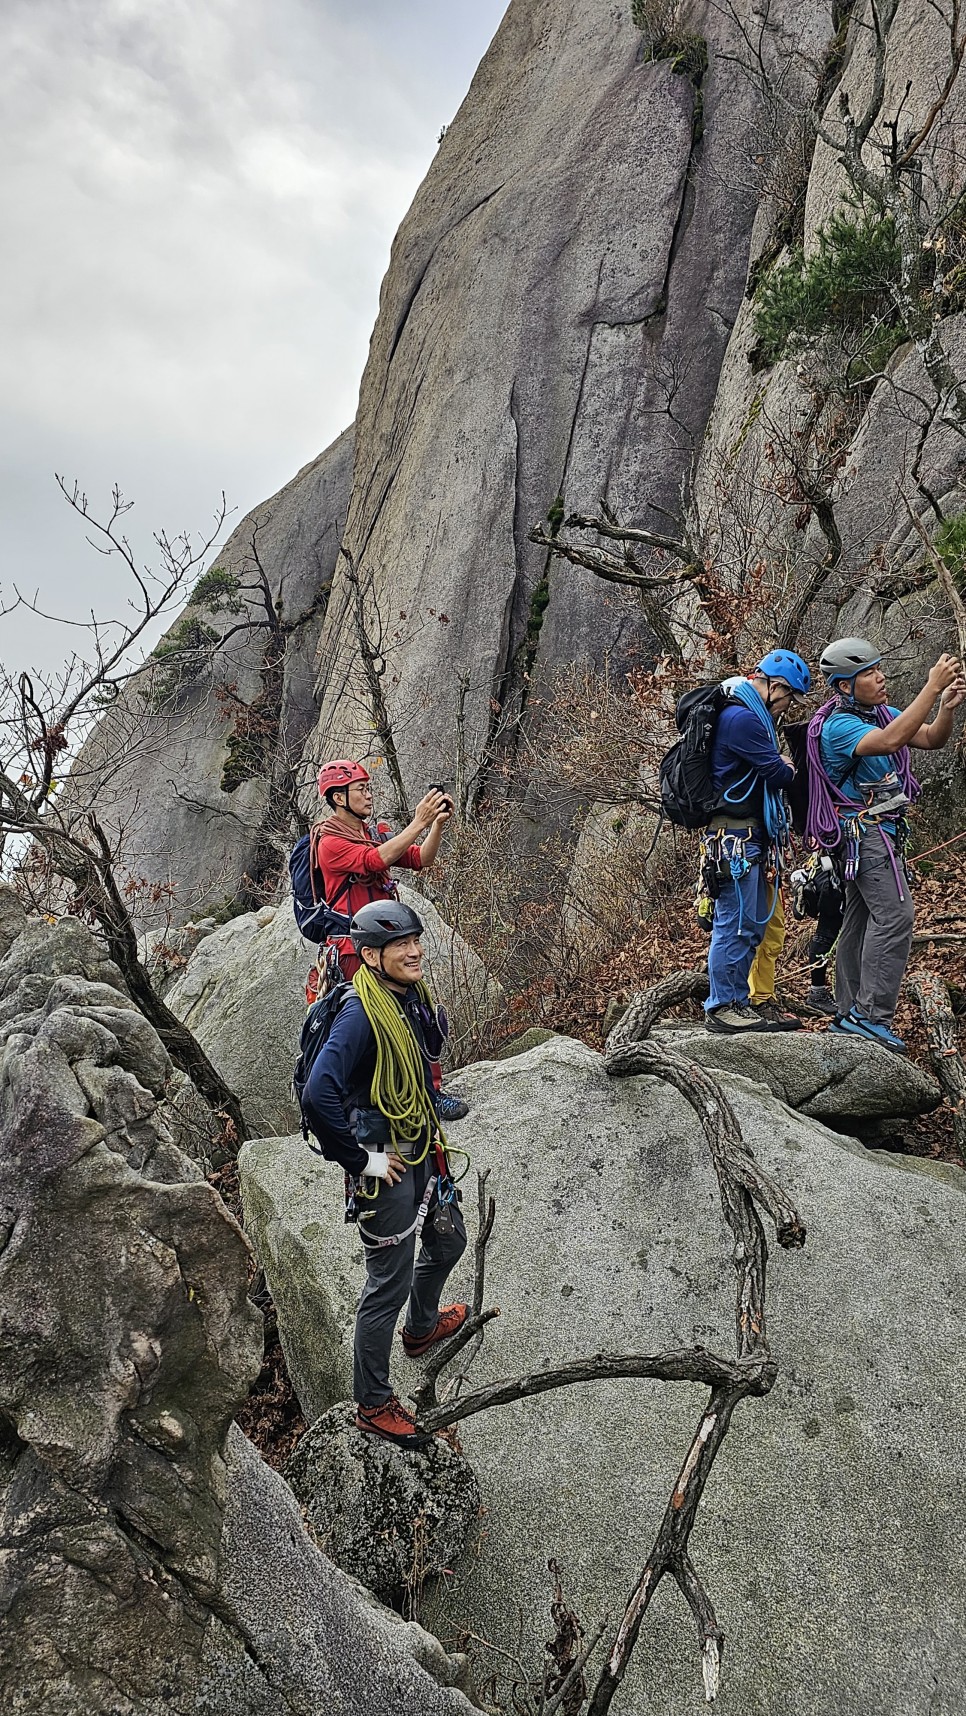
(392, 1422)
(451, 1318)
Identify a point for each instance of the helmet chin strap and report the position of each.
(348, 808)
(848, 698)
(770, 683)
(390, 982)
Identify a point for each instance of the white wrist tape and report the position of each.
(378, 1166)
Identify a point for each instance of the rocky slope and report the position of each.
(149, 1561)
(834, 1499)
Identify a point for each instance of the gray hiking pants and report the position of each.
(391, 1278)
(876, 934)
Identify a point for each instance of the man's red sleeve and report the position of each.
(411, 860)
(340, 858)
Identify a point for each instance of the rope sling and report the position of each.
(400, 1094)
(399, 1086)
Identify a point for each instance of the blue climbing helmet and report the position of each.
(784, 664)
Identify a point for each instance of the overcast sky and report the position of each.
(197, 199)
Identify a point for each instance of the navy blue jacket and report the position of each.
(741, 747)
(341, 1079)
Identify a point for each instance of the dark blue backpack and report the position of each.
(316, 917)
(316, 1030)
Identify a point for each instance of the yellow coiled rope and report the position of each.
(398, 1087)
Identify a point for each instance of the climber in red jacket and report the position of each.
(354, 861)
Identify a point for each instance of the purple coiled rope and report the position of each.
(823, 829)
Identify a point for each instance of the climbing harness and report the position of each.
(448, 1196)
(381, 1242)
(837, 821)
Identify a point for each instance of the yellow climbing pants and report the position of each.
(761, 978)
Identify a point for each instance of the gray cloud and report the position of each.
(198, 205)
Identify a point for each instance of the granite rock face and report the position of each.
(149, 1561)
(189, 821)
(862, 450)
(553, 322)
(294, 1204)
(609, 1237)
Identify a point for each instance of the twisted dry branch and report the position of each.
(686, 1364)
(742, 1185)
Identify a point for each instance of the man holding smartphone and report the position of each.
(354, 860)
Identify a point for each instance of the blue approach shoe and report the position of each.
(450, 1107)
(857, 1025)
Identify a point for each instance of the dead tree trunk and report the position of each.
(933, 997)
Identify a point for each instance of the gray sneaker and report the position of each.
(735, 1020)
(821, 999)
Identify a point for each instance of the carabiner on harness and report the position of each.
(380, 1242)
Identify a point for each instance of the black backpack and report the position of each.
(316, 917)
(688, 798)
(796, 736)
(316, 1030)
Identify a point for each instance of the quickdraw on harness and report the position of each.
(723, 857)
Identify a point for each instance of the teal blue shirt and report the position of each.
(840, 735)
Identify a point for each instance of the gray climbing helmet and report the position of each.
(846, 657)
(383, 921)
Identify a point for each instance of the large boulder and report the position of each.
(150, 1563)
(58, 985)
(609, 1237)
(294, 1636)
(828, 1077)
(393, 1518)
(243, 996)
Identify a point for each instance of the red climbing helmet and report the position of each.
(340, 773)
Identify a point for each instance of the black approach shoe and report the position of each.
(775, 1019)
